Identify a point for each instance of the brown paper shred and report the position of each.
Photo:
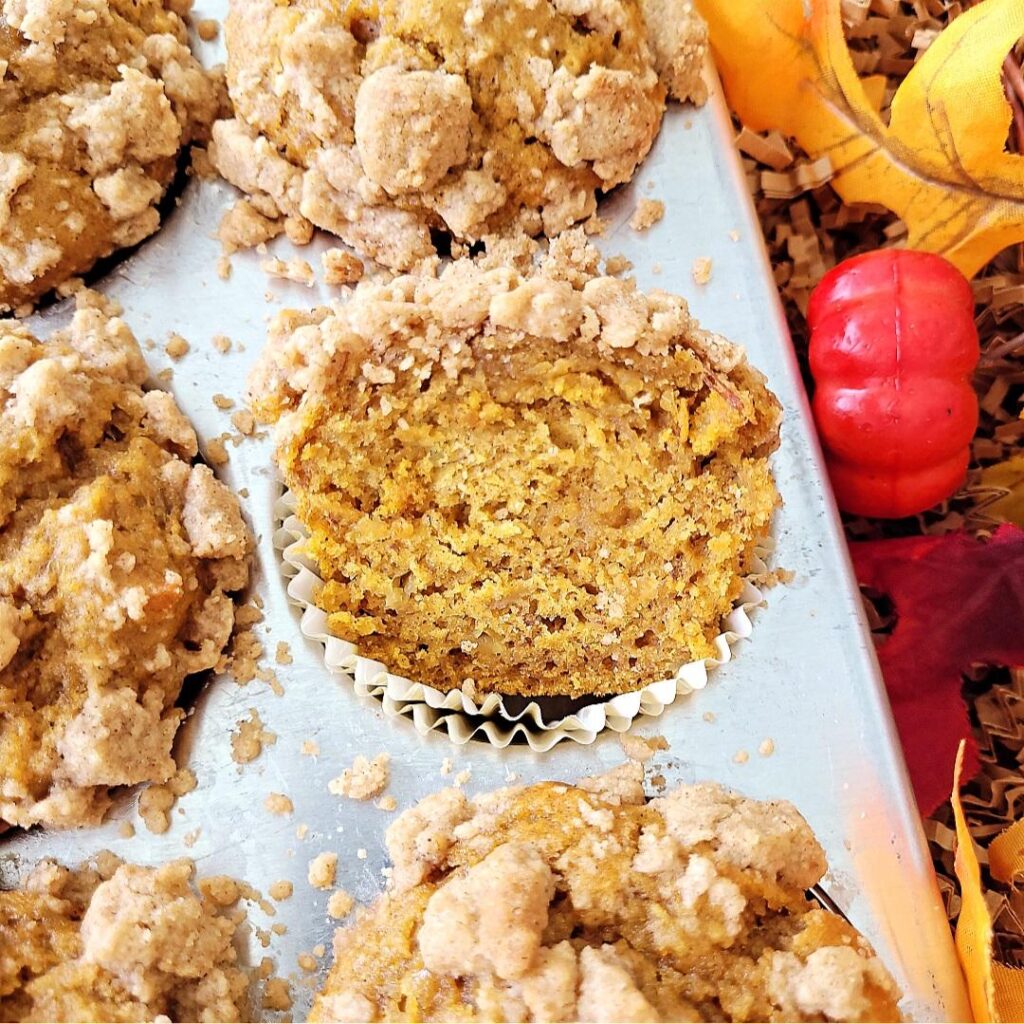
(771, 149)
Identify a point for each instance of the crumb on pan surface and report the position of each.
(545, 484)
(551, 902)
(129, 945)
(118, 558)
(97, 100)
(379, 122)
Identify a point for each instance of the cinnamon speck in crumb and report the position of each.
(278, 803)
(647, 213)
(701, 270)
(176, 346)
(322, 870)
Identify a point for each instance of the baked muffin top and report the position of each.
(117, 559)
(124, 943)
(382, 121)
(97, 99)
(558, 902)
(540, 484)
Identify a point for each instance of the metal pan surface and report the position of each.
(807, 680)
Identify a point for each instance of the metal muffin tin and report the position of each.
(807, 680)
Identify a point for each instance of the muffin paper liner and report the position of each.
(542, 721)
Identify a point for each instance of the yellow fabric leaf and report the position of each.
(1008, 474)
(940, 164)
(1006, 853)
(995, 990)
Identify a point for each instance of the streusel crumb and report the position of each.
(365, 779)
(547, 484)
(118, 558)
(141, 945)
(647, 213)
(551, 902)
(475, 116)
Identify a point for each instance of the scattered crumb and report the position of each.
(223, 402)
(165, 376)
(248, 741)
(463, 777)
(767, 747)
(658, 782)
(283, 654)
(207, 29)
(322, 870)
(216, 452)
(297, 270)
(277, 995)
(265, 968)
(307, 962)
(340, 904)
(302, 831)
(734, 235)
(190, 838)
(361, 853)
(126, 830)
(647, 213)
(709, 716)
(278, 803)
(642, 748)
(244, 422)
(155, 802)
(222, 343)
(617, 265)
(701, 270)
(223, 268)
(341, 267)
(740, 757)
(281, 890)
(387, 803)
(364, 779)
(279, 929)
(176, 346)
(656, 268)
(310, 748)
(446, 766)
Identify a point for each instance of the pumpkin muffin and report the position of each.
(125, 944)
(97, 99)
(556, 903)
(117, 560)
(380, 121)
(538, 485)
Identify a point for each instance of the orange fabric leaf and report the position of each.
(940, 164)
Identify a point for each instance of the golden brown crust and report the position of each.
(546, 484)
(136, 944)
(117, 559)
(97, 100)
(381, 121)
(552, 902)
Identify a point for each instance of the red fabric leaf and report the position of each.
(958, 601)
